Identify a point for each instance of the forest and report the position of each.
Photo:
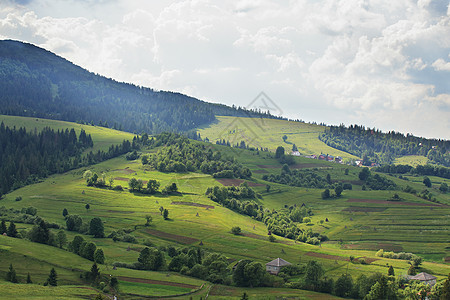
(375, 146)
(26, 157)
(182, 155)
(37, 83)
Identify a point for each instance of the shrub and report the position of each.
(236, 230)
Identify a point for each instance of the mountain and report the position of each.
(37, 83)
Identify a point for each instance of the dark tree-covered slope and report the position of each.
(35, 82)
(375, 146)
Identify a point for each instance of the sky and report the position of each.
(382, 64)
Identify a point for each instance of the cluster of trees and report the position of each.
(426, 170)
(282, 157)
(27, 156)
(299, 178)
(234, 198)
(35, 82)
(86, 249)
(277, 222)
(376, 182)
(181, 155)
(375, 146)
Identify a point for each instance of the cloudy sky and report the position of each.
(383, 64)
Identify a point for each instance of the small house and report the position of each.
(295, 153)
(274, 266)
(424, 278)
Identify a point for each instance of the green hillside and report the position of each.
(268, 133)
(357, 224)
(103, 137)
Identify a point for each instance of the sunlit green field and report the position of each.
(412, 160)
(268, 133)
(355, 228)
(103, 137)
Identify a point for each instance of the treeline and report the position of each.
(375, 146)
(299, 178)
(427, 170)
(37, 83)
(181, 155)
(27, 156)
(242, 199)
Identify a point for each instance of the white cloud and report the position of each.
(374, 62)
(441, 65)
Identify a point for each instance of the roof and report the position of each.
(423, 277)
(279, 262)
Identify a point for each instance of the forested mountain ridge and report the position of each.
(375, 146)
(37, 83)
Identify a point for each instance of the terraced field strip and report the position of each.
(192, 204)
(159, 282)
(173, 237)
(385, 202)
(237, 182)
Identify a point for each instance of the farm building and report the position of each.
(424, 278)
(275, 265)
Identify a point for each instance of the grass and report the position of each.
(392, 226)
(268, 133)
(34, 291)
(103, 137)
(412, 160)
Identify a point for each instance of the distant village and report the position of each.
(331, 158)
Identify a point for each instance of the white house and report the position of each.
(275, 265)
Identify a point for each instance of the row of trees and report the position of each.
(27, 156)
(375, 146)
(299, 178)
(428, 170)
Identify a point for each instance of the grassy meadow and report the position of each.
(359, 223)
(268, 133)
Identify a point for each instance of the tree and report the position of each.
(364, 174)
(65, 212)
(40, 233)
(73, 222)
(99, 256)
(161, 209)
(52, 278)
(326, 194)
(272, 239)
(139, 184)
(132, 183)
(445, 291)
(338, 190)
(75, 245)
(444, 187)
(61, 238)
(95, 272)
(294, 148)
(96, 228)
(343, 286)
(267, 188)
(12, 231)
(244, 296)
(328, 178)
(111, 181)
(236, 230)
(314, 272)
(29, 278)
(87, 206)
(88, 251)
(238, 274)
(11, 275)
(279, 152)
(149, 220)
(166, 214)
(3, 228)
(152, 186)
(151, 259)
(427, 181)
(411, 270)
(391, 271)
(254, 273)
